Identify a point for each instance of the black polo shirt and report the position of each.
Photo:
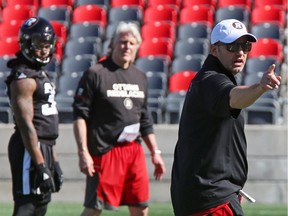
(210, 162)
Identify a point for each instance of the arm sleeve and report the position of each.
(83, 96)
(146, 121)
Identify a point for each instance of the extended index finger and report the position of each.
(271, 69)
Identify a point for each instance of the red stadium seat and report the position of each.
(90, 13)
(180, 81)
(197, 13)
(59, 50)
(32, 3)
(9, 46)
(119, 3)
(268, 13)
(60, 30)
(156, 47)
(237, 3)
(48, 3)
(17, 12)
(279, 3)
(161, 13)
(10, 29)
(267, 47)
(158, 30)
(209, 3)
(175, 3)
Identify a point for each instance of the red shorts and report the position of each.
(221, 210)
(122, 176)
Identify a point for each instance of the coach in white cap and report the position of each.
(210, 161)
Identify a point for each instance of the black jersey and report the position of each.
(210, 162)
(110, 98)
(45, 118)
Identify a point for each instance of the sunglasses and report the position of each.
(234, 47)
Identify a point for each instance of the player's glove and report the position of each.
(58, 176)
(43, 179)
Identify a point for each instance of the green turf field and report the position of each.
(72, 209)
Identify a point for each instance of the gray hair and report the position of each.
(124, 27)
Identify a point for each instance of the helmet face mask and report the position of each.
(37, 33)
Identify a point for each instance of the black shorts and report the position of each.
(22, 166)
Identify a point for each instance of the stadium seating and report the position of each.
(17, 12)
(261, 64)
(126, 14)
(193, 30)
(197, 13)
(187, 63)
(263, 112)
(67, 85)
(268, 13)
(9, 46)
(268, 30)
(207, 3)
(173, 3)
(48, 3)
(157, 83)
(278, 3)
(75, 64)
(233, 12)
(56, 13)
(137, 3)
(10, 29)
(82, 47)
(175, 36)
(267, 47)
(60, 30)
(180, 81)
(89, 31)
(105, 4)
(32, 3)
(238, 3)
(174, 105)
(158, 47)
(191, 46)
(159, 30)
(164, 13)
(90, 13)
(153, 64)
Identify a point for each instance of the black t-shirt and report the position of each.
(110, 98)
(45, 117)
(210, 156)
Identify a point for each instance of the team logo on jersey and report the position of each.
(128, 103)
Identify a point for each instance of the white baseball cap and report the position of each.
(229, 30)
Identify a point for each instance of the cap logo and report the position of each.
(237, 25)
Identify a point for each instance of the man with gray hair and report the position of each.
(210, 160)
(110, 119)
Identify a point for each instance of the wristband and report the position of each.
(157, 152)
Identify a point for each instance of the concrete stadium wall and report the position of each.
(267, 157)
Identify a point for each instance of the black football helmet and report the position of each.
(33, 32)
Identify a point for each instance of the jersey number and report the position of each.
(50, 107)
